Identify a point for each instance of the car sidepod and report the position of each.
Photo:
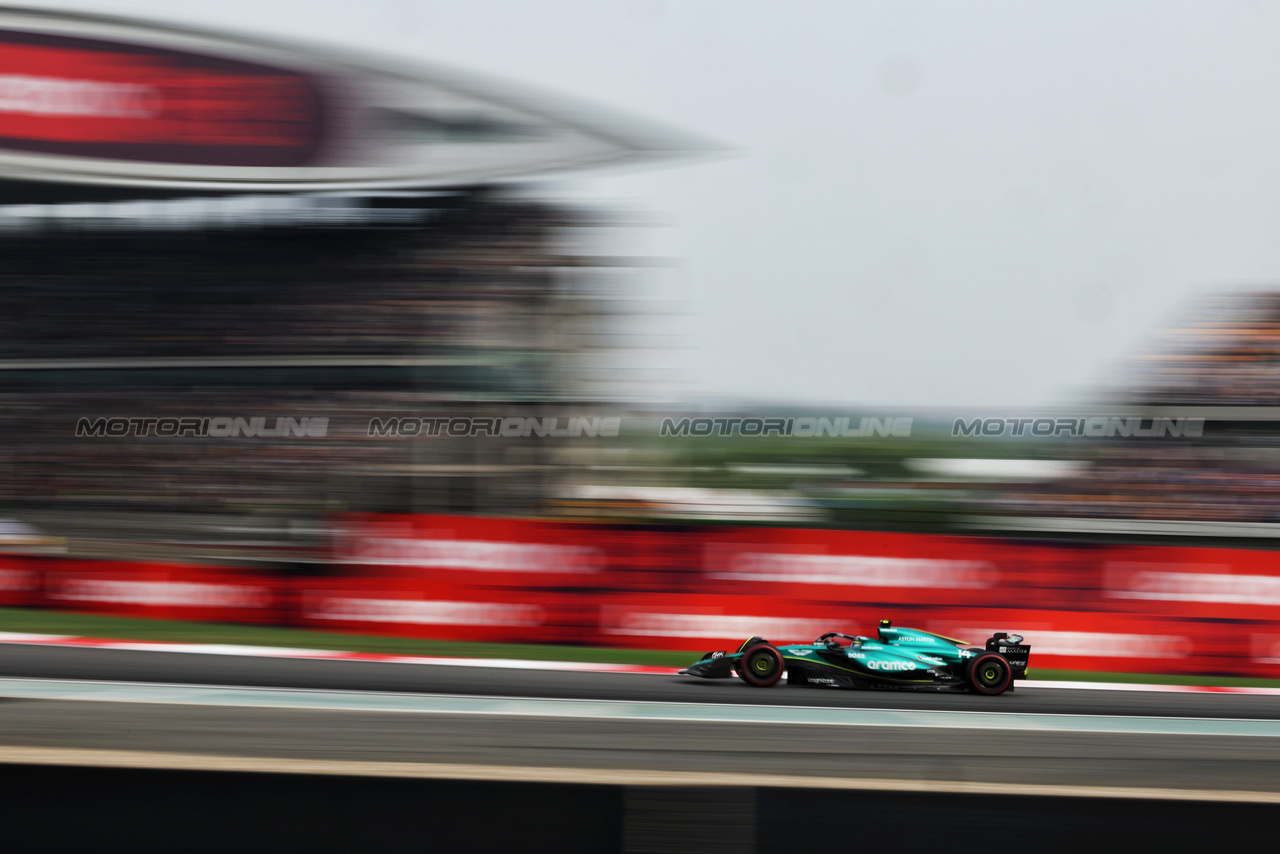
(867, 666)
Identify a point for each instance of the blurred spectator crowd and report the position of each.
(1225, 352)
(1223, 483)
(468, 277)
(449, 314)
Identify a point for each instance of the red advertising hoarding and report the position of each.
(89, 98)
(874, 567)
(467, 550)
(409, 607)
(19, 581)
(162, 591)
(1081, 607)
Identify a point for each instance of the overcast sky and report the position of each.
(933, 202)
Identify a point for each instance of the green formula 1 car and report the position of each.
(898, 658)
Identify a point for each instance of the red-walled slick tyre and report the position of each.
(761, 666)
(990, 674)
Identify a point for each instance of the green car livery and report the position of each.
(897, 658)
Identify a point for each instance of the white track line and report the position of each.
(626, 710)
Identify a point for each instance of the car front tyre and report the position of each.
(761, 666)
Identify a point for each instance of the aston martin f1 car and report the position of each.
(897, 658)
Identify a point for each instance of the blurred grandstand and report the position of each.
(197, 226)
(1220, 361)
(1224, 352)
(463, 303)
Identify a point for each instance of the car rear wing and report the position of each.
(1015, 651)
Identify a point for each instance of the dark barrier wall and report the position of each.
(47, 808)
(796, 819)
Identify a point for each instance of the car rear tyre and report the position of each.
(990, 674)
(761, 666)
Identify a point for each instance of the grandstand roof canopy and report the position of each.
(93, 102)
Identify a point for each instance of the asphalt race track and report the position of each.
(902, 749)
(18, 660)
